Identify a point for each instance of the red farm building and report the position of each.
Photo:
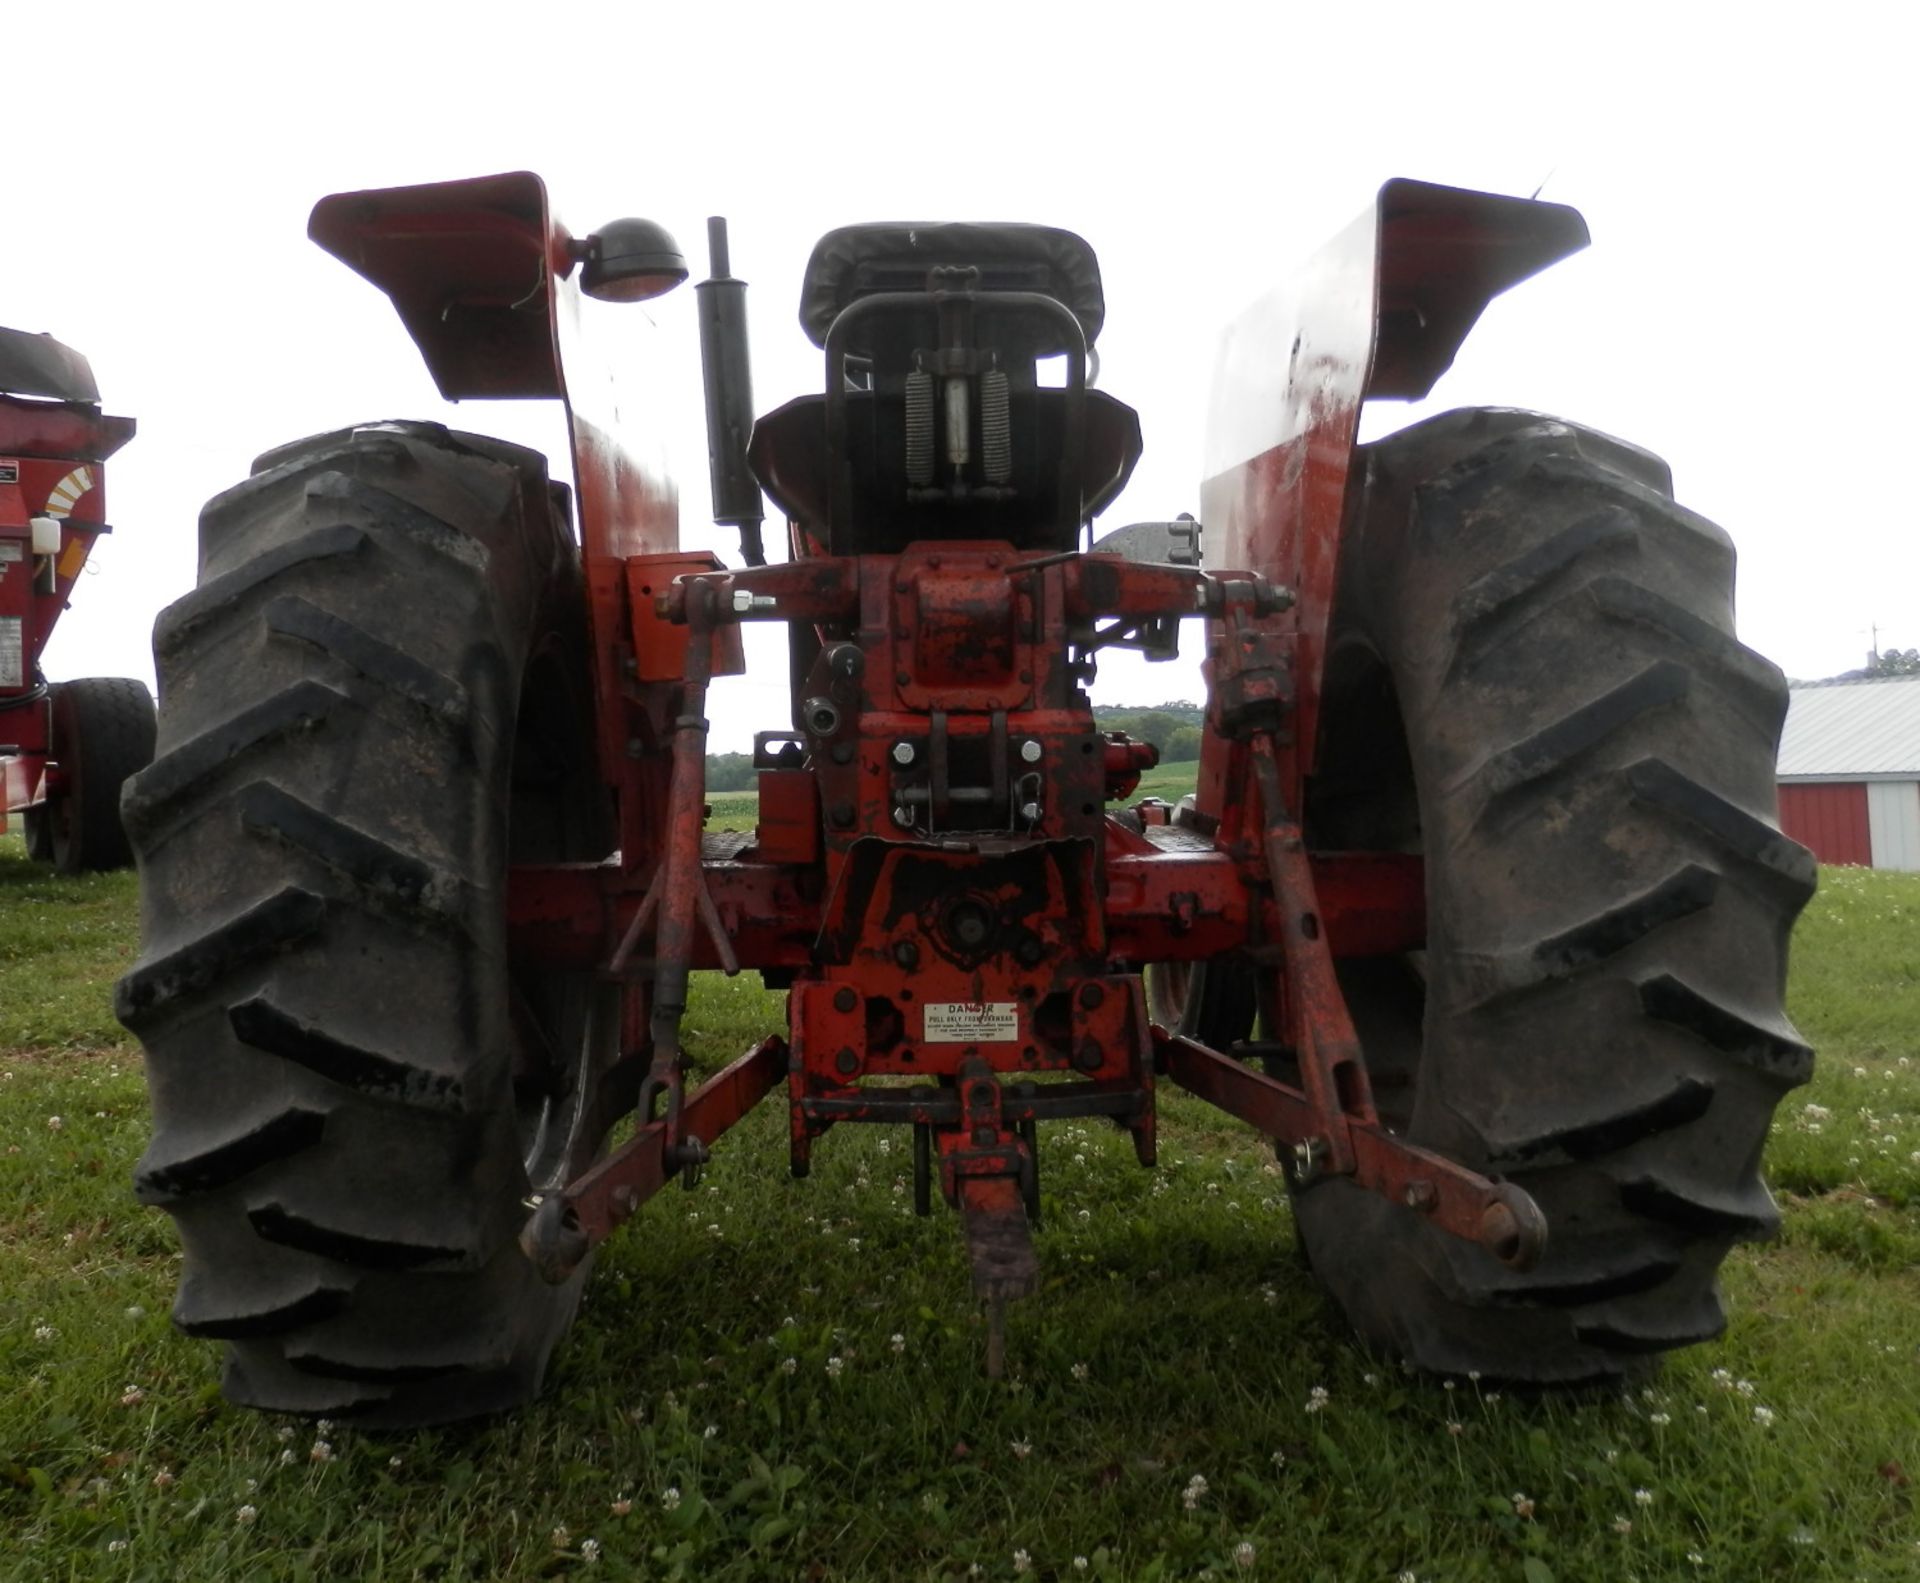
(1850, 770)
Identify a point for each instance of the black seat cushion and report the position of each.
(858, 260)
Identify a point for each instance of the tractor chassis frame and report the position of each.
(709, 904)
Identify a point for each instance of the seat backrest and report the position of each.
(934, 424)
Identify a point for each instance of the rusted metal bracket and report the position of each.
(569, 1224)
(1497, 1215)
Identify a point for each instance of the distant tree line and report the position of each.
(1174, 728)
(1884, 662)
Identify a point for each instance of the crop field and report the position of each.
(781, 1380)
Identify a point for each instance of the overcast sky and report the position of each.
(1746, 308)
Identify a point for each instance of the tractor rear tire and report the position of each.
(1533, 679)
(103, 732)
(375, 701)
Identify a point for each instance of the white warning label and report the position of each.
(12, 669)
(970, 1022)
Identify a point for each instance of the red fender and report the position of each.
(1381, 310)
(483, 276)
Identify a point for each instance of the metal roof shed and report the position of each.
(1849, 770)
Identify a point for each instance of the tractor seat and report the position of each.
(860, 260)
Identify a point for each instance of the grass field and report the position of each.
(775, 1379)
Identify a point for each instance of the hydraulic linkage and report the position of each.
(1051, 998)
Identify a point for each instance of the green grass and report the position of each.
(1179, 1290)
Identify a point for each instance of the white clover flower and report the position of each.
(670, 1498)
(1696, 1558)
(789, 1365)
(136, 1312)
(1022, 1562)
(1455, 1427)
(1801, 1536)
(1194, 1493)
(163, 1479)
(324, 1427)
(1244, 1555)
(1022, 1449)
(835, 1367)
(589, 1551)
(45, 1333)
(246, 1515)
(321, 1452)
(710, 1431)
(1643, 1497)
(54, 1123)
(897, 1342)
(1744, 1387)
(1079, 1563)
(286, 1457)
(1722, 1378)
(115, 1546)
(132, 1396)
(1522, 1506)
(1079, 1371)
(1278, 1459)
(1763, 1416)
(284, 1433)
(1317, 1399)
(1623, 1526)
(621, 1505)
(561, 1538)
(394, 1462)
(853, 1244)
(1085, 1215)
(1659, 1420)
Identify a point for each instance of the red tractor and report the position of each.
(1479, 911)
(66, 748)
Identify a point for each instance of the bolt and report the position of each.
(903, 678)
(1087, 1055)
(1093, 996)
(903, 817)
(1030, 951)
(842, 753)
(1420, 1195)
(1031, 751)
(907, 954)
(903, 753)
(843, 815)
(1499, 1230)
(846, 1062)
(844, 998)
(625, 1201)
(1030, 811)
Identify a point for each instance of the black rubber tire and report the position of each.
(1533, 679)
(375, 700)
(36, 829)
(103, 732)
